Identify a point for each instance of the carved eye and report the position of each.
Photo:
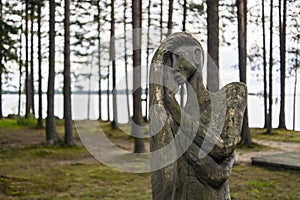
(179, 55)
(167, 58)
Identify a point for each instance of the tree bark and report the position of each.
(213, 45)
(114, 124)
(295, 84)
(108, 93)
(27, 81)
(40, 119)
(295, 95)
(265, 65)
(242, 43)
(161, 18)
(1, 58)
(182, 91)
(137, 126)
(269, 125)
(170, 17)
(126, 60)
(20, 65)
(99, 60)
(31, 78)
(69, 140)
(51, 134)
(282, 38)
(184, 15)
(147, 60)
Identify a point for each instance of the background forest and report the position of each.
(34, 37)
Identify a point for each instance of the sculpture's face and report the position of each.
(186, 60)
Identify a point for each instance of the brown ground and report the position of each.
(26, 137)
(274, 148)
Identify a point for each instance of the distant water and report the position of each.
(79, 105)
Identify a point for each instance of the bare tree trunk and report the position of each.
(99, 60)
(182, 91)
(242, 41)
(265, 64)
(161, 18)
(1, 57)
(27, 81)
(282, 38)
(137, 125)
(126, 60)
(114, 124)
(69, 140)
(213, 45)
(295, 84)
(147, 59)
(31, 79)
(269, 125)
(170, 17)
(40, 119)
(108, 94)
(184, 15)
(51, 134)
(20, 66)
(294, 103)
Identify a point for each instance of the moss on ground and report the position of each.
(36, 171)
(280, 135)
(252, 182)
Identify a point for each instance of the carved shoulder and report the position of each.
(236, 102)
(236, 92)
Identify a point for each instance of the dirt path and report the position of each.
(27, 137)
(275, 147)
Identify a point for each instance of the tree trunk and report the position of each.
(181, 92)
(108, 93)
(213, 45)
(282, 38)
(184, 15)
(40, 119)
(295, 84)
(170, 17)
(67, 80)
(242, 43)
(295, 95)
(31, 78)
(137, 125)
(265, 65)
(51, 134)
(27, 81)
(147, 60)
(126, 60)
(269, 125)
(99, 60)
(114, 124)
(161, 18)
(20, 66)
(1, 56)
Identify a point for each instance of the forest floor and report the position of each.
(29, 169)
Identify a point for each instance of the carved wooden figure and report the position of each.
(203, 134)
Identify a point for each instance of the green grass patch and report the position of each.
(280, 135)
(40, 172)
(252, 182)
(59, 172)
(252, 147)
(9, 123)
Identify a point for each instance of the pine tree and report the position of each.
(137, 125)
